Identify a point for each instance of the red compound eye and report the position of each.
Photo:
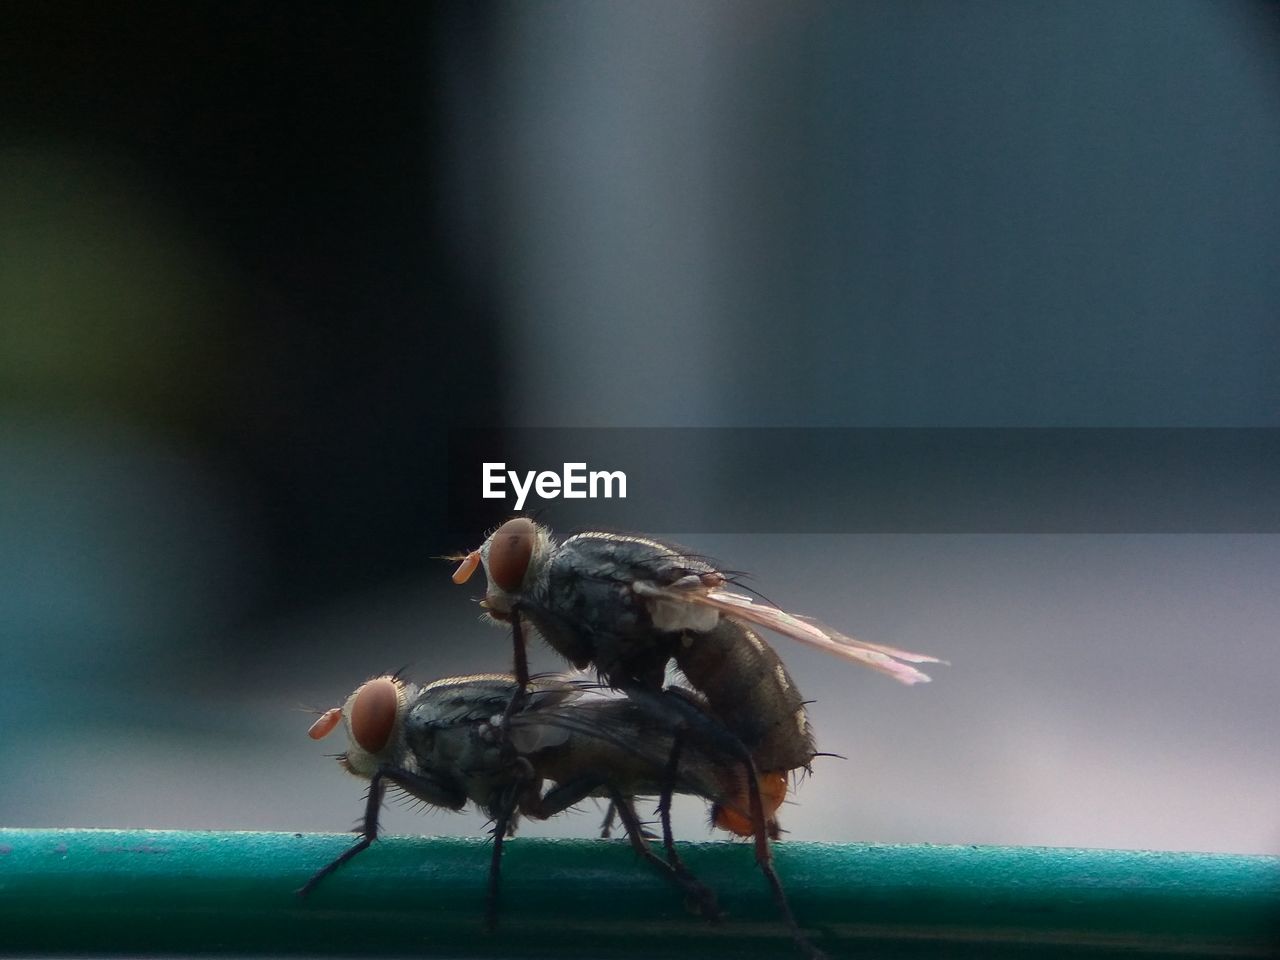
(373, 713)
(510, 549)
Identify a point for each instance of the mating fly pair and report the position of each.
(629, 607)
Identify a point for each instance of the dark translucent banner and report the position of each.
(873, 480)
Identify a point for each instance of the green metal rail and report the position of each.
(99, 892)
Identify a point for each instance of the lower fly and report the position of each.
(449, 742)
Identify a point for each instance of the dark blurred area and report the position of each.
(256, 263)
(227, 233)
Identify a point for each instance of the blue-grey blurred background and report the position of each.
(256, 263)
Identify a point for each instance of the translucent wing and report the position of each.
(632, 739)
(886, 659)
(550, 696)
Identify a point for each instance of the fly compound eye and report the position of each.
(325, 724)
(373, 713)
(510, 550)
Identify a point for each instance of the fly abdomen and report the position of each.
(748, 689)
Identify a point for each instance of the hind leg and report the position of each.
(693, 723)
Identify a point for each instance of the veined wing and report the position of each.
(888, 660)
(636, 736)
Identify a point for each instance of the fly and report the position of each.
(630, 605)
(453, 741)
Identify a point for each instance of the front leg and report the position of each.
(368, 833)
(439, 793)
(520, 652)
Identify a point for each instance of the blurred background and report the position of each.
(256, 264)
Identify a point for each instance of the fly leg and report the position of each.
(764, 858)
(565, 795)
(669, 777)
(521, 665)
(505, 814)
(676, 863)
(606, 828)
(434, 791)
(502, 822)
(368, 833)
(707, 732)
(700, 894)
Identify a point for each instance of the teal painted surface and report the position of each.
(142, 892)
